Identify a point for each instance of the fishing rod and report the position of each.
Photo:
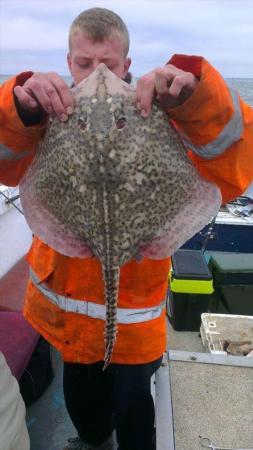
(11, 200)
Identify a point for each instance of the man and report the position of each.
(216, 128)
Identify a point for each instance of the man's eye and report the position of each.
(110, 67)
(83, 65)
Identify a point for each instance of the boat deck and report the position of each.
(48, 422)
(215, 401)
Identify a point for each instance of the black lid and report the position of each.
(190, 264)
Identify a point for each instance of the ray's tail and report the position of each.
(111, 282)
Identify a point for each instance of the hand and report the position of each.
(47, 92)
(170, 85)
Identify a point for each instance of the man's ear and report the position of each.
(127, 64)
(69, 62)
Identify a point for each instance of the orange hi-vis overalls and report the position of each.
(64, 299)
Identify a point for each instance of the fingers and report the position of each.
(172, 87)
(145, 93)
(60, 97)
(48, 91)
(26, 100)
(168, 86)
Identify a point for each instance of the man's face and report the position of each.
(86, 55)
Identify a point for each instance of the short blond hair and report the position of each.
(100, 24)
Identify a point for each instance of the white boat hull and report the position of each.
(15, 235)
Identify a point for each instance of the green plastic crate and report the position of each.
(233, 283)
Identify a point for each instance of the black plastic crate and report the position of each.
(184, 310)
(189, 291)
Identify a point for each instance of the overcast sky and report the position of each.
(33, 33)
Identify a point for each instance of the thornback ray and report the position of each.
(115, 185)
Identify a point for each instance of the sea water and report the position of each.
(244, 86)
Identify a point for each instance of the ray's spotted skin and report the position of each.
(115, 185)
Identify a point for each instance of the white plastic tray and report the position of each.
(215, 328)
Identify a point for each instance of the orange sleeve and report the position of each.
(203, 117)
(15, 138)
(232, 171)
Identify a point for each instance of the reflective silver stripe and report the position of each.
(230, 134)
(6, 154)
(124, 315)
